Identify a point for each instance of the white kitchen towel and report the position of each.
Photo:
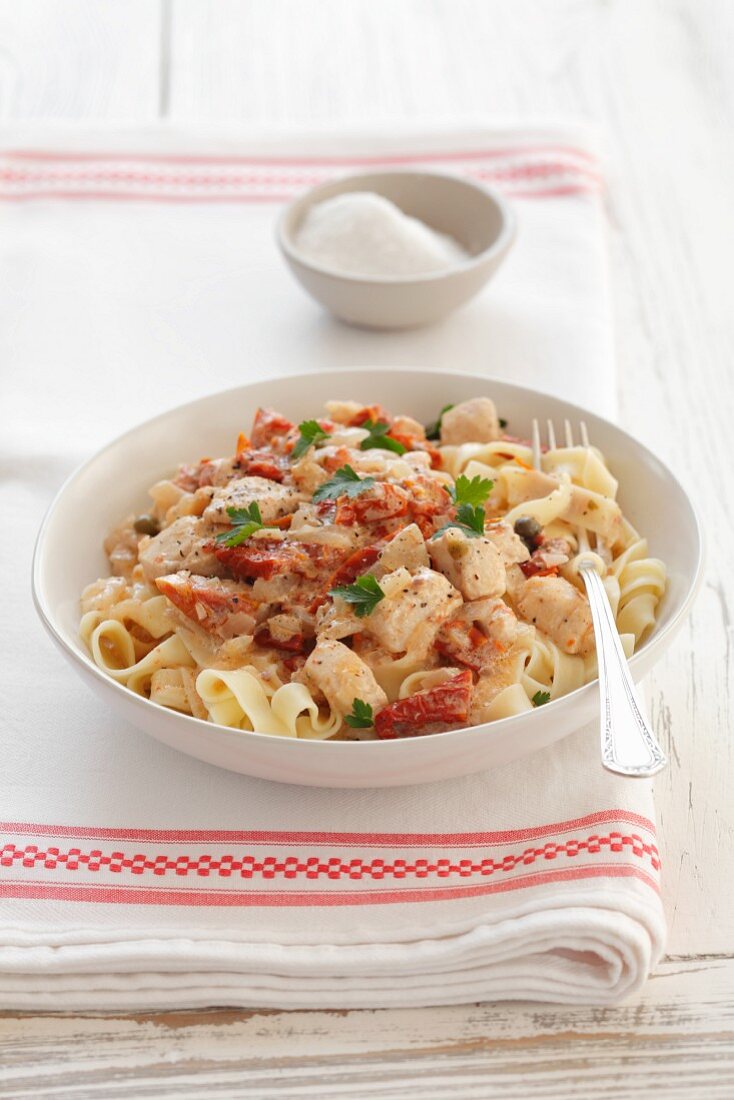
(138, 269)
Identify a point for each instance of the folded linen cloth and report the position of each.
(138, 270)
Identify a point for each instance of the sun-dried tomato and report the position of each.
(427, 711)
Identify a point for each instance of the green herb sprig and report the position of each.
(474, 491)
(378, 438)
(311, 433)
(245, 521)
(433, 431)
(345, 483)
(540, 698)
(364, 595)
(361, 717)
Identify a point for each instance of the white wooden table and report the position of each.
(657, 75)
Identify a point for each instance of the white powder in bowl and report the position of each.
(361, 233)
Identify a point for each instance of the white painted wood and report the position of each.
(676, 1038)
(658, 78)
(80, 59)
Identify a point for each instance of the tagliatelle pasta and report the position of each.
(358, 576)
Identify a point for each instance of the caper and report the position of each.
(146, 525)
(528, 529)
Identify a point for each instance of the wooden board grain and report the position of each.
(678, 1036)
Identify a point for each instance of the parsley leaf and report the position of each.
(344, 483)
(469, 519)
(311, 432)
(433, 431)
(364, 594)
(540, 698)
(245, 521)
(378, 437)
(474, 492)
(361, 716)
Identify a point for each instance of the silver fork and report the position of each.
(628, 745)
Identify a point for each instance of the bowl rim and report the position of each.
(79, 657)
(499, 246)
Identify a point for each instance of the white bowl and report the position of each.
(114, 482)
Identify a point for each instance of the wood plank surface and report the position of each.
(677, 1038)
(657, 77)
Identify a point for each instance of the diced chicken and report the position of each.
(412, 611)
(473, 565)
(274, 500)
(342, 677)
(483, 634)
(473, 421)
(308, 474)
(121, 547)
(510, 545)
(283, 631)
(221, 607)
(343, 412)
(185, 544)
(407, 549)
(558, 610)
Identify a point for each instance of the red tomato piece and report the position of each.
(427, 711)
(375, 413)
(269, 429)
(208, 601)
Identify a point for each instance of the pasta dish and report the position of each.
(362, 576)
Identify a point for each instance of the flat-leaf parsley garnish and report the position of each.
(474, 491)
(345, 483)
(540, 698)
(433, 431)
(364, 594)
(311, 433)
(378, 437)
(245, 521)
(361, 717)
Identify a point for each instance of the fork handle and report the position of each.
(628, 745)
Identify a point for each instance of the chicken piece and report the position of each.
(412, 611)
(406, 549)
(483, 634)
(473, 565)
(378, 504)
(547, 558)
(121, 547)
(342, 412)
(473, 421)
(222, 607)
(440, 708)
(185, 544)
(284, 631)
(274, 500)
(342, 677)
(509, 544)
(558, 610)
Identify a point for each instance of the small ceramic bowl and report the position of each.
(475, 216)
